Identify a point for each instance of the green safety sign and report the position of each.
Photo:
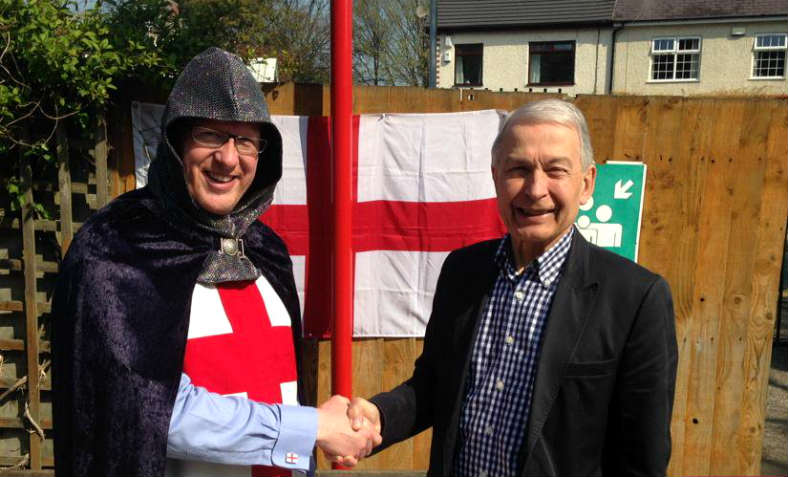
(611, 218)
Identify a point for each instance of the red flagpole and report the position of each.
(342, 183)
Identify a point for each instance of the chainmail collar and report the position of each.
(216, 85)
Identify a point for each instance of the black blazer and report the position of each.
(603, 394)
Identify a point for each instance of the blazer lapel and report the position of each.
(569, 313)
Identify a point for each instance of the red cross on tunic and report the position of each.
(250, 356)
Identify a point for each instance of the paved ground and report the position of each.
(775, 439)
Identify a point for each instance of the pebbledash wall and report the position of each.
(725, 59)
(505, 59)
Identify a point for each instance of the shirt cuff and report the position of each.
(297, 436)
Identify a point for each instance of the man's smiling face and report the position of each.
(217, 177)
(540, 184)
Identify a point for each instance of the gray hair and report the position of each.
(549, 111)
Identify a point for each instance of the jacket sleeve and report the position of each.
(638, 436)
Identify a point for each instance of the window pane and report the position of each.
(551, 62)
(468, 64)
(770, 41)
(535, 69)
(689, 43)
(769, 64)
(662, 67)
(558, 68)
(687, 66)
(664, 44)
(472, 70)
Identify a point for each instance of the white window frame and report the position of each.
(675, 52)
(756, 49)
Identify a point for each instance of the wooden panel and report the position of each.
(600, 113)
(314, 100)
(120, 161)
(710, 270)
(64, 187)
(100, 156)
(767, 247)
(31, 316)
(677, 196)
(323, 387)
(369, 364)
(631, 128)
(399, 355)
(743, 197)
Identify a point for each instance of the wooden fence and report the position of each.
(714, 226)
(714, 223)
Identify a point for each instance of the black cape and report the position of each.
(121, 312)
(122, 302)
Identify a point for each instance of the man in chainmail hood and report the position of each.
(176, 319)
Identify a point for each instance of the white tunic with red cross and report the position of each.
(240, 343)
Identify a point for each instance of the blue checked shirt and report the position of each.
(503, 364)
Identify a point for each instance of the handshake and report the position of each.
(347, 430)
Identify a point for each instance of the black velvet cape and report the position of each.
(121, 313)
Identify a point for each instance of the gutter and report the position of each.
(700, 21)
(612, 64)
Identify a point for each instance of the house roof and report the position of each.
(496, 14)
(649, 10)
(485, 14)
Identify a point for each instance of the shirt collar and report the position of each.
(546, 267)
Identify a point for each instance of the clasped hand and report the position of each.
(347, 431)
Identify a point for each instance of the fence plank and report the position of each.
(743, 194)
(31, 313)
(712, 267)
(680, 191)
(100, 156)
(369, 364)
(121, 153)
(398, 355)
(600, 113)
(768, 245)
(64, 186)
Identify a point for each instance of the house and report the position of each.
(666, 47)
(541, 45)
(700, 47)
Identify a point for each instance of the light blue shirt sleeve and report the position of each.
(234, 430)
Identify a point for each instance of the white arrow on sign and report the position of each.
(622, 191)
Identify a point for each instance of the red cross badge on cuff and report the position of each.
(291, 458)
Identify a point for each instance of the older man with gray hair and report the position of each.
(544, 354)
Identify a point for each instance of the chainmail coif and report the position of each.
(216, 85)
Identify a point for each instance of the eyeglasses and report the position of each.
(246, 146)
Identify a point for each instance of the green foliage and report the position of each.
(55, 64)
(391, 42)
(293, 31)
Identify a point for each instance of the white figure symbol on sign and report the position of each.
(602, 234)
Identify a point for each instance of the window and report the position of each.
(468, 64)
(551, 63)
(768, 59)
(675, 59)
